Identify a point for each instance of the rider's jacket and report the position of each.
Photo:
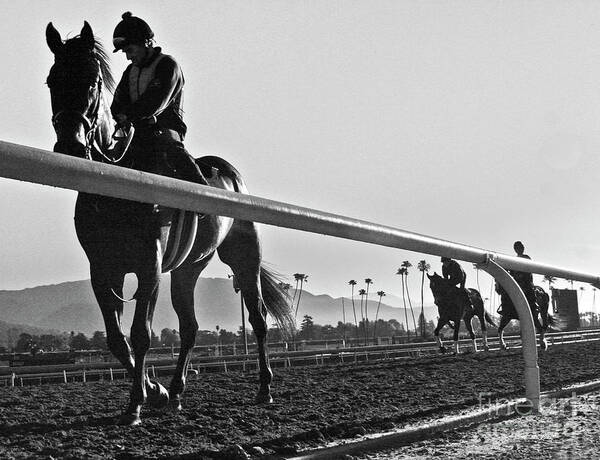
(523, 279)
(152, 93)
(453, 272)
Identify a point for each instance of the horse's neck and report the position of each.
(106, 126)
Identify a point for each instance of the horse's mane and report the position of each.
(104, 62)
(100, 54)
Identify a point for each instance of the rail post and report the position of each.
(528, 339)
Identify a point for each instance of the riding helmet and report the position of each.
(130, 30)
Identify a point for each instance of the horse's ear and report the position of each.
(87, 35)
(53, 38)
(429, 276)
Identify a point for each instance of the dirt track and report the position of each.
(312, 405)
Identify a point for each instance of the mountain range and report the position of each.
(71, 306)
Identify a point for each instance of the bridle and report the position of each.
(90, 123)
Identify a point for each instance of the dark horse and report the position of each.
(456, 304)
(121, 237)
(539, 310)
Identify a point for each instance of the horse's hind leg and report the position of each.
(183, 281)
(484, 334)
(504, 320)
(469, 325)
(241, 251)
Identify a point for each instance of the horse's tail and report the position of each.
(489, 319)
(276, 301)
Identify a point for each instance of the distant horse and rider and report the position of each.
(456, 304)
(537, 298)
(539, 311)
(120, 236)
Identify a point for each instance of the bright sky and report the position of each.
(475, 122)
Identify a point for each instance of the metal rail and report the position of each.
(85, 372)
(43, 167)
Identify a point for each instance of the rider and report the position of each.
(524, 279)
(149, 97)
(453, 272)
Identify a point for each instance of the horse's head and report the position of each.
(437, 284)
(76, 82)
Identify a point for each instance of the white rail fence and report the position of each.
(43, 167)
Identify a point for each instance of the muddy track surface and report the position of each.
(313, 405)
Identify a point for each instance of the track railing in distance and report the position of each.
(43, 167)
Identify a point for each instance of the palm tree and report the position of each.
(299, 277)
(380, 294)
(401, 272)
(361, 293)
(423, 267)
(343, 321)
(550, 279)
(406, 264)
(352, 283)
(368, 281)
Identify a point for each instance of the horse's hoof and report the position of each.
(175, 404)
(264, 398)
(129, 420)
(157, 395)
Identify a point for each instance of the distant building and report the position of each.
(564, 305)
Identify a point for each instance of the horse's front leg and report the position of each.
(108, 289)
(436, 333)
(541, 331)
(455, 337)
(147, 294)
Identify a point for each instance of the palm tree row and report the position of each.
(422, 266)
